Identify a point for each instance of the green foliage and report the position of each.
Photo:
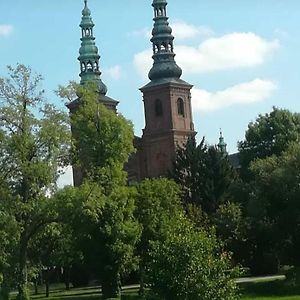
(157, 202)
(101, 138)
(232, 228)
(204, 174)
(103, 141)
(277, 194)
(269, 134)
(190, 265)
(34, 144)
(106, 231)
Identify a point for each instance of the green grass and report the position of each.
(276, 290)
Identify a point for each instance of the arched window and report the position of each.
(158, 108)
(180, 107)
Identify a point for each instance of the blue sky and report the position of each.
(241, 56)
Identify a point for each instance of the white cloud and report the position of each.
(6, 30)
(115, 72)
(181, 30)
(144, 32)
(231, 51)
(142, 62)
(254, 91)
(184, 31)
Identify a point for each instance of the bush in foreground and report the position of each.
(190, 265)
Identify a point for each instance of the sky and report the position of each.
(241, 56)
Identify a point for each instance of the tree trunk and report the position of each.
(111, 286)
(22, 270)
(47, 275)
(142, 283)
(67, 273)
(4, 292)
(36, 286)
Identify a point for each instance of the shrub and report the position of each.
(190, 265)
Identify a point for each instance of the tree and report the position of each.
(189, 264)
(157, 202)
(105, 230)
(232, 228)
(102, 139)
(204, 173)
(269, 134)
(274, 207)
(9, 234)
(34, 144)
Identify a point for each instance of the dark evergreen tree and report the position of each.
(204, 173)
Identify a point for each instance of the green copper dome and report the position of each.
(88, 53)
(164, 65)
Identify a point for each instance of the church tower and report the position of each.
(167, 101)
(89, 62)
(89, 72)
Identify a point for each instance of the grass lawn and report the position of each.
(276, 290)
(270, 291)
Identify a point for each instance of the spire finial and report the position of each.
(89, 57)
(164, 65)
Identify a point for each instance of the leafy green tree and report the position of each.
(105, 230)
(269, 134)
(204, 173)
(157, 202)
(189, 264)
(232, 228)
(102, 139)
(9, 234)
(34, 144)
(274, 207)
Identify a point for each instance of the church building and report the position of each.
(167, 98)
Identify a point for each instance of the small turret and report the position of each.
(222, 145)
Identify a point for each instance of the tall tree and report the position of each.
(157, 202)
(269, 134)
(102, 139)
(204, 173)
(34, 144)
(274, 208)
(104, 230)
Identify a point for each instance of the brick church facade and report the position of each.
(167, 98)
